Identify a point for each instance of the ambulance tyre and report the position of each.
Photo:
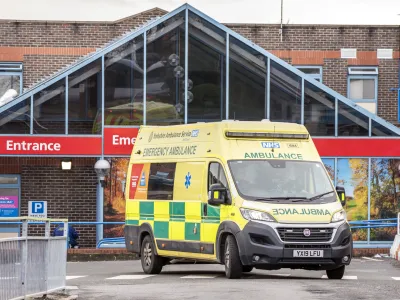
(151, 263)
(233, 265)
(335, 273)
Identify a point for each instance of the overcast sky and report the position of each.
(224, 11)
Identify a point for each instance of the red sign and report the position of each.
(119, 141)
(353, 147)
(43, 145)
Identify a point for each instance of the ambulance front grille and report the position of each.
(302, 235)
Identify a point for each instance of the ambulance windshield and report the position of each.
(282, 181)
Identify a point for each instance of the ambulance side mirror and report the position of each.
(342, 194)
(217, 194)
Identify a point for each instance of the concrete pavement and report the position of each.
(366, 278)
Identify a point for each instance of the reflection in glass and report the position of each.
(385, 191)
(247, 73)
(124, 84)
(49, 109)
(380, 130)
(329, 164)
(351, 122)
(165, 69)
(8, 180)
(285, 94)
(16, 119)
(206, 71)
(9, 84)
(319, 111)
(84, 100)
(352, 174)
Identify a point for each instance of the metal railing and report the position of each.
(32, 265)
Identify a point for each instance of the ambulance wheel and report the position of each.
(335, 273)
(151, 263)
(247, 269)
(233, 265)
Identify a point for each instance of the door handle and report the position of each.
(205, 210)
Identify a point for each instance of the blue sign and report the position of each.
(38, 209)
(9, 206)
(270, 145)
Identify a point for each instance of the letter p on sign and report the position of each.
(38, 209)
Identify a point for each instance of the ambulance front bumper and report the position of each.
(276, 246)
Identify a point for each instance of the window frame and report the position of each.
(314, 76)
(354, 74)
(221, 167)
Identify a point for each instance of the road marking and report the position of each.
(283, 275)
(396, 278)
(126, 277)
(197, 277)
(71, 287)
(373, 259)
(75, 277)
(344, 277)
(5, 278)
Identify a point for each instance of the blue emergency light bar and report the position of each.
(231, 134)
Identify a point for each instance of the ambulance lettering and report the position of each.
(304, 211)
(266, 155)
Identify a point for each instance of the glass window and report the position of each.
(247, 77)
(16, 119)
(282, 180)
(352, 174)
(216, 174)
(165, 72)
(351, 122)
(285, 94)
(329, 164)
(362, 89)
(206, 98)
(385, 195)
(319, 111)
(8, 179)
(161, 181)
(84, 100)
(10, 86)
(49, 109)
(124, 84)
(380, 130)
(312, 71)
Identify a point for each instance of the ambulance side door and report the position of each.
(212, 216)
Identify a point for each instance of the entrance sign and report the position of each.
(9, 206)
(37, 209)
(119, 141)
(49, 145)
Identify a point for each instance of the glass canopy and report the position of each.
(182, 68)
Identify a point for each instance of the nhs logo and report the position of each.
(270, 145)
(195, 133)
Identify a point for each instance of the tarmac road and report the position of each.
(366, 278)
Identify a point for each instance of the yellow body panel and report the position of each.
(180, 217)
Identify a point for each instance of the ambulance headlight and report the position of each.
(256, 215)
(339, 216)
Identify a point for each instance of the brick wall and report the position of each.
(70, 193)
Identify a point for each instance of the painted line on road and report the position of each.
(344, 277)
(75, 277)
(129, 277)
(396, 278)
(72, 287)
(373, 259)
(281, 275)
(198, 277)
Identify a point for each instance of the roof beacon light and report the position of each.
(231, 134)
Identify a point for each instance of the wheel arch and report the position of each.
(146, 229)
(225, 228)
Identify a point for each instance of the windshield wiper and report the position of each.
(272, 199)
(314, 197)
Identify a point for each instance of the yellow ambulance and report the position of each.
(238, 193)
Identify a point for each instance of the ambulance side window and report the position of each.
(216, 174)
(161, 181)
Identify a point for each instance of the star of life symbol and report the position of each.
(188, 178)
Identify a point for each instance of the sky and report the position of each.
(373, 12)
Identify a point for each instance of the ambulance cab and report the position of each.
(238, 193)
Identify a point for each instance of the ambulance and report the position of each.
(243, 194)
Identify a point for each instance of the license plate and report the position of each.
(308, 253)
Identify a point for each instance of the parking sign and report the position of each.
(37, 209)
